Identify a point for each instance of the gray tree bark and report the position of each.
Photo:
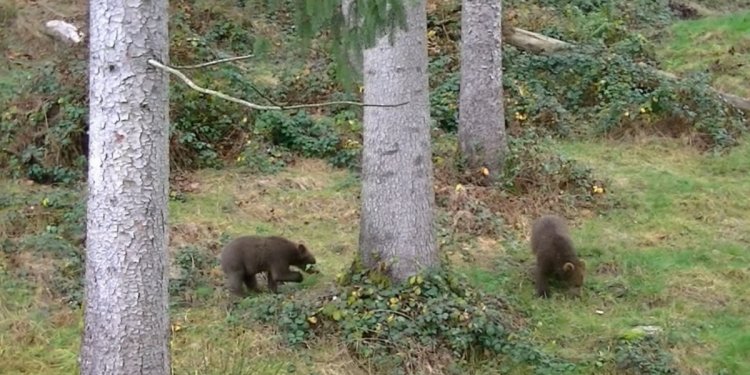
(481, 121)
(126, 322)
(397, 193)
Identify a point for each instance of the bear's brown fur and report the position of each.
(246, 256)
(555, 255)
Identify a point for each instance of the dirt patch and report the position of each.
(675, 127)
(484, 254)
(683, 11)
(38, 267)
(609, 269)
(653, 239)
(687, 358)
(185, 234)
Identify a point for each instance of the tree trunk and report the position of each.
(126, 321)
(481, 121)
(397, 194)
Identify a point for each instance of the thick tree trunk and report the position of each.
(481, 121)
(126, 322)
(397, 194)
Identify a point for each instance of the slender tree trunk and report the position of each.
(481, 122)
(126, 322)
(397, 194)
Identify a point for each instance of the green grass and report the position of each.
(675, 257)
(702, 44)
(35, 337)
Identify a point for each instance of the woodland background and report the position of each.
(665, 241)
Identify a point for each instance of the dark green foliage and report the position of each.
(613, 94)
(192, 282)
(300, 133)
(378, 18)
(444, 95)
(201, 127)
(393, 327)
(261, 158)
(42, 131)
(643, 356)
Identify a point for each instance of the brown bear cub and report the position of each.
(246, 256)
(555, 255)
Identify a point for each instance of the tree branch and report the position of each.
(245, 103)
(215, 62)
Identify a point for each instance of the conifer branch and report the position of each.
(245, 103)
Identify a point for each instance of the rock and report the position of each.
(638, 332)
(64, 32)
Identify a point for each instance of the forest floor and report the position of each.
(674, 255)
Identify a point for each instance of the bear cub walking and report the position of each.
(555, 255)
(246, 256)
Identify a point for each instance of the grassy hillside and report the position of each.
(719, 45)
(666, 244)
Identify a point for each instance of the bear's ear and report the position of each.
(302, 249)
(567, 267)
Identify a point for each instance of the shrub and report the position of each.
(43, 130)
(643, 355)
(395, 326)
(319, 138)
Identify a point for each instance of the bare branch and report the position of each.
(232, 99)
(214, 62)
(239, 66)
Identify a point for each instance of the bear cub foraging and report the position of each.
(555, 255)
(246, 256)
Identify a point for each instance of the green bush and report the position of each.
(444, 95)
(394, 326)
(643, 356)
(46, 142)
(317, 138)
(530, 166)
